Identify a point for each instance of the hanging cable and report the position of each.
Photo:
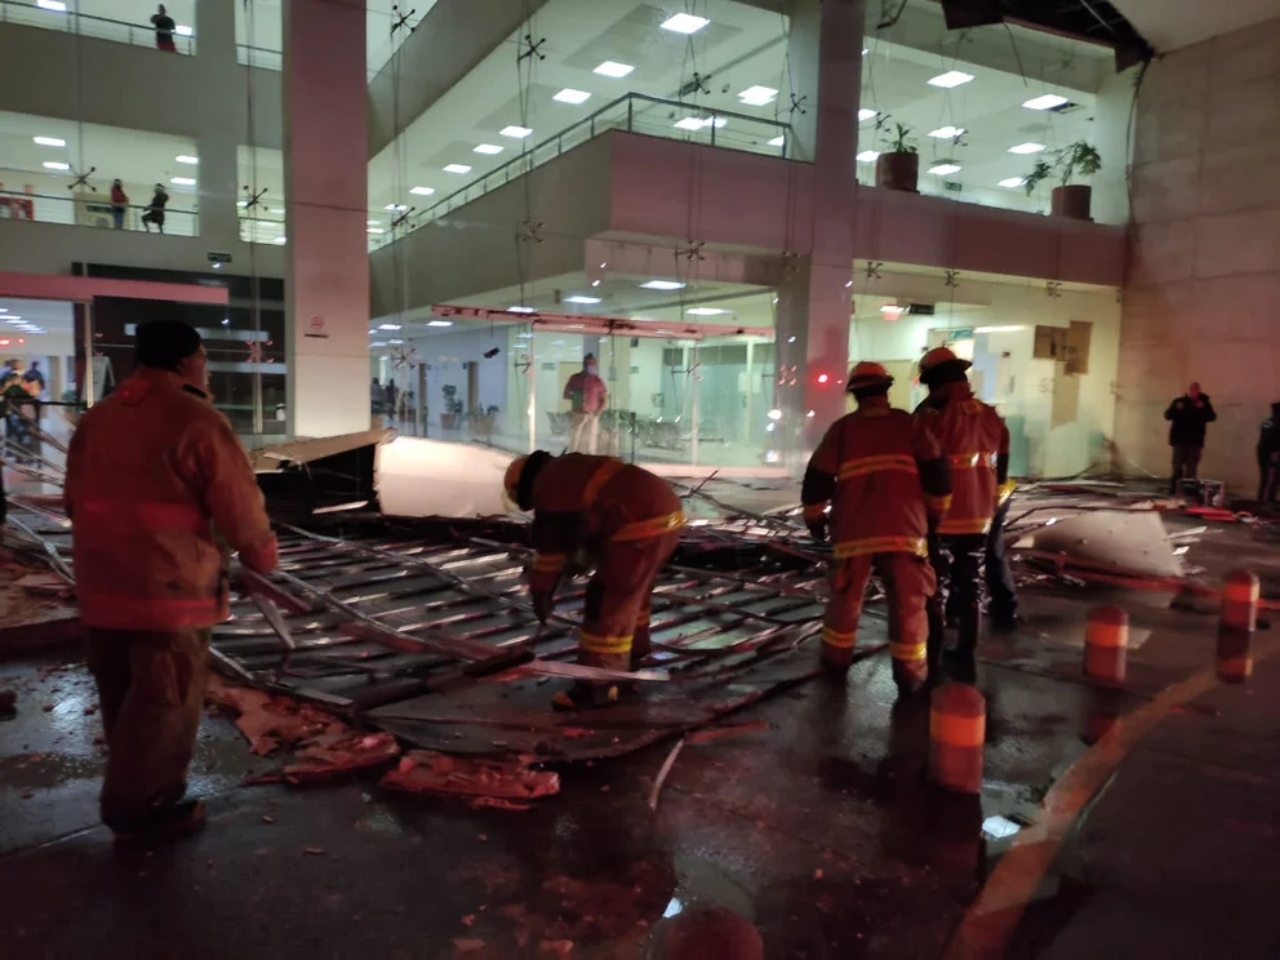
(253, 197)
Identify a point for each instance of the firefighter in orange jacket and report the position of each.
(599, 512)
(975, 441)
(883, 473)
(155, 478)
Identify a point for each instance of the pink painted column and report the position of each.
(825, 51)
(326, 201)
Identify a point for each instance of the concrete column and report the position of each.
(219, 131)
(825, 49)
(326, 187)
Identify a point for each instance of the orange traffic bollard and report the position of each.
(1106, 644)
(1240, 593)
(957, 729)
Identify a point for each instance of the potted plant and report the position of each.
(452, 408)
(70, 412)
(898, 167)
(1071, 200)
(481, 421)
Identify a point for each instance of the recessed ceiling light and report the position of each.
(521, 310)
(705, 311)
(388, 326)
(868, 156)
(685, 23)
(1012, 182)
(1046, 102)
(277, 209)
(439, 323)
(947, 133)
(758, 96)
(570, 95)
(777, 141)
(424, 191)
(1027, 148)
(581, 299)
(457, 168)
(55, 5)
(952, 78)
(866, 114)
(376, 230)
(945, 169)
(611, 68)
(699, 123)
(663, 285)
(396, 207)
(187, 159)
(56, 165)
(488, 149)
(515, 132)
(50, 141)
(280, 240)
(182, 181)
(184, 31)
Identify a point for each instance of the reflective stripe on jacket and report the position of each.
(974, 439)
(874, 466)
(582, 503)
(152, 471)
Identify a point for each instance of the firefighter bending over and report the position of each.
(156, 482)
(975, 441)
(601, 513)
(884, 475)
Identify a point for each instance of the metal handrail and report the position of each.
(589, 122)
(129, 24)
(80, 198)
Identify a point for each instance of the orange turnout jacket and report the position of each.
(975, 441)
(152, 471)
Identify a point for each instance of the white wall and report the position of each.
(446, 354)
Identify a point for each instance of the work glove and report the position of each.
(543, 604)
(818, 529)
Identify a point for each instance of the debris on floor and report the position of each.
(331, 755)
(268, 721)
(513, 781)
(8, 704)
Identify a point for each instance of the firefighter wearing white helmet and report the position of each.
(883, 475)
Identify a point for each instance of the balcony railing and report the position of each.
(95, 210)
(259, 57)
(268, 229)
(634, 113)
(54, 15)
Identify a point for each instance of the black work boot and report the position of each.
(585, 696)
(965, 669)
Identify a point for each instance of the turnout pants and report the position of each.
(151, 693)
(1186, 465)
(1002, 593)
(615, 628)
(957, 560)
(584, 432)
(909, 582)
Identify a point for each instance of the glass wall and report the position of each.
(121, 21)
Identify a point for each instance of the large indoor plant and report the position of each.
(1071, 200)
(898, 166)
(452, 408)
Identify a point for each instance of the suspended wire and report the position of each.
(257, 349)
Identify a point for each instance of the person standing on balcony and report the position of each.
(1189, 416)
(587, 396)
(155, 209)
(164, 30)
(119, 204)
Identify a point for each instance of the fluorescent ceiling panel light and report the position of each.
(55, 5)
(187, 159)
(1027, 148)
(1011, 328)
(424, 191)
(375, 223)
(952, 78)
(663, 285)
(1013, 182)
(378, 343)
(947, 133)
(280, 240)
(439, 323)
(777, 141)
(758, 96)
(50, 141)
(945, 169)
(689, 123)
(515, 132)
(705, 311)
(570, 95)
(1046, 102)
(457, 168)
(685, 23)
(611, 68)
(868, 156)
(376, 230)
(488, 149)
(581, 299)
(182, 181)
(521, 310)
(56, 165)
(183, 31)
(866, 114)
(388, 326)
(396, 207)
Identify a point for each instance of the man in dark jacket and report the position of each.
(1188, 416)
(1269, 456)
